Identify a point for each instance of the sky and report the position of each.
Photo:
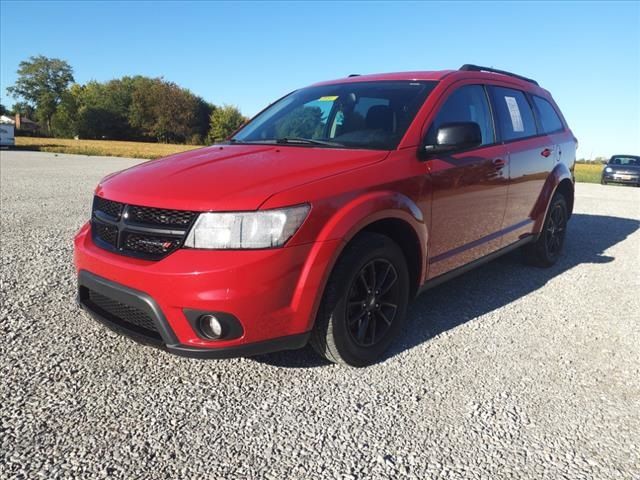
(587, 54)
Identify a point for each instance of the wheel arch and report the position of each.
(388, 213)
(394, 215)
(559, 180)
(566, 188)
(403, 234)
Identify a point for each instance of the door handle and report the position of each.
(545, 153)
(499, 163)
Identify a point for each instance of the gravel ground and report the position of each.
(505, 372)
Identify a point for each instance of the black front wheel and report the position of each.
(365, 302)
(546, 250)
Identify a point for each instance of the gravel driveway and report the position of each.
(505, 372)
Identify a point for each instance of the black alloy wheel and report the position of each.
(373, 302)
(547, 247)
(555, 230)
(364, 304)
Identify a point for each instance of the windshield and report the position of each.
(635, 161)
(372, 115)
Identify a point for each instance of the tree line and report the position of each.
(129, 108)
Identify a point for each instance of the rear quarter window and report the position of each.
(514, 116)
(547, 115)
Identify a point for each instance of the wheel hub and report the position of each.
(372, 303)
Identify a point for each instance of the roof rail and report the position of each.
(476, 68)
(353, 75)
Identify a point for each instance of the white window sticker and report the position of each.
(514, 111)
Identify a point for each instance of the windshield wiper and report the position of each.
(307, 141)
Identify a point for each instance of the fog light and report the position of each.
(210, 326)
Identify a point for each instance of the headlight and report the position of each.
(608, 169)
(262, 229)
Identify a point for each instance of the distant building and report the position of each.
(25, 125)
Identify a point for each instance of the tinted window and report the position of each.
(549, 119)
(514, 116)
(372, 115)
(467, 104)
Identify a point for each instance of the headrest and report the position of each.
(380, 117)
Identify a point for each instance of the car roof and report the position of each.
(624, 155)
(380, 77)
(433, 75)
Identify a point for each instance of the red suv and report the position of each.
(321, 218)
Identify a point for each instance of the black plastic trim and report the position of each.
(467, 67)
(127, 296)
(290, 342)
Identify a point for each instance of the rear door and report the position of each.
(468, 189)
(551, 125)
(531, 156)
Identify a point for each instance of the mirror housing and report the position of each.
(452, 137)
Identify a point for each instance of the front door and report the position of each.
(468, 189)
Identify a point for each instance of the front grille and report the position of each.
(119, 313)
(144, 232)
(113, 209)
(159, 216)
(106, 233)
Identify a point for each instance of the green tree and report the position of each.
(103, 109)
(224, 121)
(64, 121)
(165, 112)
(24, 109)
(4, 110)
(303, 122)
(41, 83)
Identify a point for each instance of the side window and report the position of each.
(514, 116)
(549, 119)
(467, 104)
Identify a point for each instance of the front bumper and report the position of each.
(632, 179)
(273, 294)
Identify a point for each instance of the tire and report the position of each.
(603, 181)
(546, 250)
(354, 327)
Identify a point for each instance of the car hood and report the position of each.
(229, 177)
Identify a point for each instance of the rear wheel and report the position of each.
(546, 250)
(365, 302)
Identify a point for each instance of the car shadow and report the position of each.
(487, 288)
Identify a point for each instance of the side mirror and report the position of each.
(452, 137)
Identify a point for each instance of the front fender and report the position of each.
(352, 217)
(340, 228)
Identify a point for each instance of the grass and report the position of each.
(106, 148)
(589, 173)
(585, 172)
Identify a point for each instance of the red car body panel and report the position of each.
(227, 178)
(460, 208)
